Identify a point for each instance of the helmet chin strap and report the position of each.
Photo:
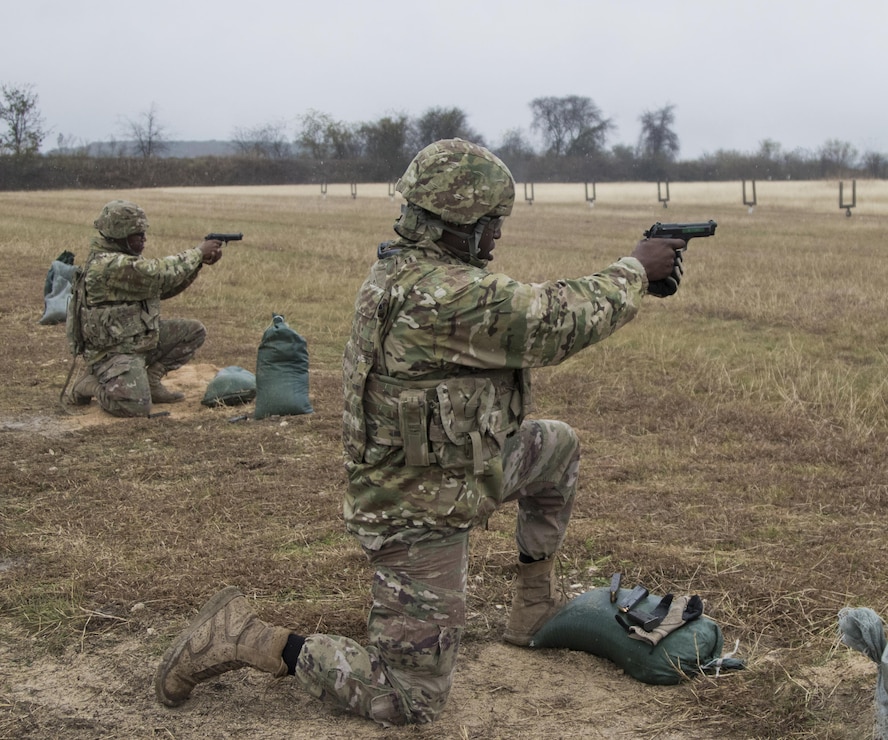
(472, 240)
(124, 244)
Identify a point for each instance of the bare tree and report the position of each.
(874, 163)
(514, 146)
(589, 141)
(562, 121)
(268, 141)
(18, 110)
(344, 140)
(323, 138)
(148, 135)
(769, 160)
(657, 141)
(837, 157)
(517, 152)
(442, 123)
(312, 139)
(770, 150)
(386, 144)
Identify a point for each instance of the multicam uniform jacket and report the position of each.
(121, 309)
(435, 379)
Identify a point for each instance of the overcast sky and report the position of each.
(799, 72)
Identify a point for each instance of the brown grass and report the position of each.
(734, 441)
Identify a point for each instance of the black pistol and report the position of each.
(685, 232)
(224, 237)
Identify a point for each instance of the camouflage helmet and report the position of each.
(120, 218)
(458, 181)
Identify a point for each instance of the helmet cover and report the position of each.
(458, 181)
(120, 218)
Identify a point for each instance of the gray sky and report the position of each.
(799, 72)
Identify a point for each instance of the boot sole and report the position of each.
(168, 399)
(519, 640)
(217, 602)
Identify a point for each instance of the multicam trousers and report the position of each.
(405, 672)
(123, 379)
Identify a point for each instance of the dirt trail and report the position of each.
(104, 689)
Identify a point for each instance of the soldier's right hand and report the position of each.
(211, 250)
(657, 256)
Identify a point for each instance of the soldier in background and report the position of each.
(436, 392)
(114, 315)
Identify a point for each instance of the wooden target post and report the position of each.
(664, 199)
(324, 189)
(590, 199)
(853, 203)
(528, 198)
(391, 188)
(750, 202)
(354, 190)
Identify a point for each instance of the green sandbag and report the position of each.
(57, 290)
(588, 623)
(232, 385)
(281, 372)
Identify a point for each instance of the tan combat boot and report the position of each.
(83, 391)
(159, 393)
(537, 598)
(224, 636)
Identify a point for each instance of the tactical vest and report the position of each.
(123, 326)
(458, 422)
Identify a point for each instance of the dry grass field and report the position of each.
(733, 440)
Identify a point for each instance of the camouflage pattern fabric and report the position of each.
(540, 468)
(121, 218)
(123, 378)
(459, 181)
(123, 294)
(120, 321)
(419, 593)
(424, 317)
(415, 624)
(446, 334)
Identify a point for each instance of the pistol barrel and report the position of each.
(681, 231)
(224, 237)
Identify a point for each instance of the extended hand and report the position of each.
(211, 251)
(662, 261)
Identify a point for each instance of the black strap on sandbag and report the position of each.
(588, 623)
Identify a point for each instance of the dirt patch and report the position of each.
(191, 379)
(104, 689)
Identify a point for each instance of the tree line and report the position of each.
(574, 133)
